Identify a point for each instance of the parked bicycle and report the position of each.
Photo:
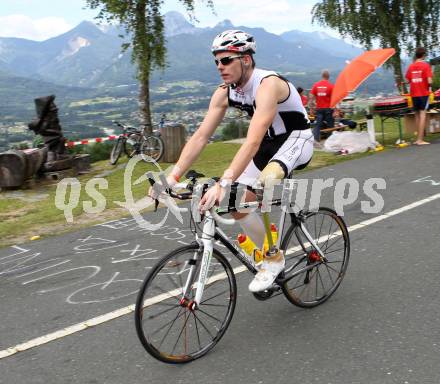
(187, 300)
(134, 141)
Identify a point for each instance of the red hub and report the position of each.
(190, 304)
(314, 257)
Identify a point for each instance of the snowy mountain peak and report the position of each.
(73, 46)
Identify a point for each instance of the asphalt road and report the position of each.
(381, 326)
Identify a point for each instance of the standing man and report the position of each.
(162, 120)
(419, 75)
(279, 135)
(322, 92)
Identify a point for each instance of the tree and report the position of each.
(144, 25)
(234, 130)
(436, 77)
(400, 24)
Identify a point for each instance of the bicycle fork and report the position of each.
(207, 247)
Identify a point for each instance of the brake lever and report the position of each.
(152, 182)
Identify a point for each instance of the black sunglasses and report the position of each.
(226, 60)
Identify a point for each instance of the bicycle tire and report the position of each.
(152, 147)
(313, 286)
(154, 295)
(116, 151)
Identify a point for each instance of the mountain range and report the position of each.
(90, 56)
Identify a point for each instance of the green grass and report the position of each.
(21, 219)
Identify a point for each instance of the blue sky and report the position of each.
(42, 19)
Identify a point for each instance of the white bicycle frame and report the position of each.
(207, 243)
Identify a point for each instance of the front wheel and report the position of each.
(152, 148)
(167, 324)
(132, 145)
(116, 151)
(311, 280)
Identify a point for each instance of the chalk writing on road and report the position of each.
(166, 232)
(82, 275)
(89, 286)
(429, 180)
(100, 292)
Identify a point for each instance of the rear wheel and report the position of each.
(311, 280)
(116, 151)
(152, 148)
(168, 325)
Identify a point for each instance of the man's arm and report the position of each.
(271, 91)
(195, 145)
(408, 75)
(429, 77)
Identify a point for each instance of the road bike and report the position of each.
(187, 300)
(133, 141)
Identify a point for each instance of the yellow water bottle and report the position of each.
(246, 244)
(274, 232)
(431, 98)
(258, 256)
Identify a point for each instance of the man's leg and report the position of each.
(251, 223)
(420, 121)
(420, 105)
(273, 260)
(318, 125)
(329, 118)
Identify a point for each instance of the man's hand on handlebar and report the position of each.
(213, 195)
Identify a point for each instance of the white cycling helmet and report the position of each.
(234, 41)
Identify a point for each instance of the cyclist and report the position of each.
(279, 134)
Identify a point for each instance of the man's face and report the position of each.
(231, 71)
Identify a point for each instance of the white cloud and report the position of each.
(275, 16)
(34, 29)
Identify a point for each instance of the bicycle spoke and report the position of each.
(171, 325)
(180, 334)
(177, 297)
(174, 283)
(204, 326)
(329, 234)
(197, 330)
(320, 228)
(217, 305)
(331, 245)
(336, 250)
(213, 297)
(331, 268)
(322, 282)
(207, 314)
(163, 312)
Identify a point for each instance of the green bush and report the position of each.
(97, 151)
(21, 146)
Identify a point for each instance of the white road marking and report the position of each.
(129, 309)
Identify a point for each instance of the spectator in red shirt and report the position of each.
(321, 93)
(419, 76)
(304, 98)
